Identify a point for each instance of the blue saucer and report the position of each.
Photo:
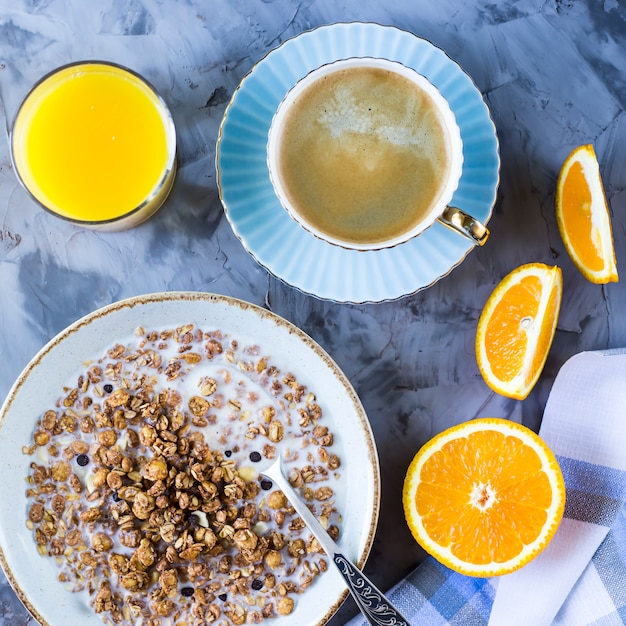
(287, 250)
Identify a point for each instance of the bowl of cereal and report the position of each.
(133, 446)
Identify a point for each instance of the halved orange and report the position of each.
(583, 217)
(516, 328)
(484, 497)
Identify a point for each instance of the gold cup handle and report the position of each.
(465, 225)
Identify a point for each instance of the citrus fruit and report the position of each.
(516, 328)
(583, 218)
(484, 497)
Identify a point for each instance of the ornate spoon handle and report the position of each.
(373, 604)
(377, 609)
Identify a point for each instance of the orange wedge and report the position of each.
(484, 497)
(516, 328)
(582, 214)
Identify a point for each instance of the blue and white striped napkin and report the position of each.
(580, 579)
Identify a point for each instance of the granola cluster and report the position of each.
(145, 488)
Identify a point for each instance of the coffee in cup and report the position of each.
(365, 153)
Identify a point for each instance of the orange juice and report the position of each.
(95, 144)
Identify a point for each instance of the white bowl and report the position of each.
(34, 578)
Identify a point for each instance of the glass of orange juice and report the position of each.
(95, 144)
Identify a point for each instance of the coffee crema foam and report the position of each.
(364, 155)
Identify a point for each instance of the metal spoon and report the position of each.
(373, 604)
